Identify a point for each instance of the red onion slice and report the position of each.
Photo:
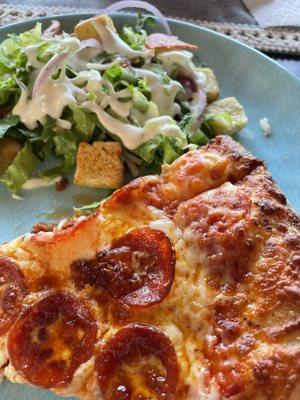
(47, 70)
(120, 5)
(199, 104)
(199, 101)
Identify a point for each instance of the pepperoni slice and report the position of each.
(138, 269)
(141, 352)
(12, 292)
(51, 339)
(163, 42)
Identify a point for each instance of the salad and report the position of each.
(142, 90)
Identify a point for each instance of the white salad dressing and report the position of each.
(162, 95)
(32, 53)
(103, 67)
(35, 183)
(112, 43)
(130, 135)
(53, 97)
(81, 58)
(112, 99)
(91, 79)
(183, 59)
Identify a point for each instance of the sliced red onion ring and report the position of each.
(47, 70)
(120, 5)
(199, 101)
(199, 104)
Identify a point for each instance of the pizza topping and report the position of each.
(67, 229)
(42, 227)
(12, 292)
(163, 42)
(138, 362)
(51, 339)
(138, 269)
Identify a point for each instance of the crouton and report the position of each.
(225, 117)
(99, 165)
(211, 85)
(9, 148)
(85, 29)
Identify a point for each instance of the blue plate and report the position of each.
(262, 86)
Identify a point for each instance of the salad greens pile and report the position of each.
(95, 92)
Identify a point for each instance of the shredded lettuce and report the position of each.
(20, 170)
(88, 209)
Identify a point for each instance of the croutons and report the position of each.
(99, 165)
(225, 117)
(85, 29)
(9, 148)
(211, 85)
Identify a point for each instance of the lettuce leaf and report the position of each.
(159, 150)
(113, 74)
(13, 60)
(135, 40)
(88, 209)
(20, 170)
(83, 120)
(65, 147)
(7, 123)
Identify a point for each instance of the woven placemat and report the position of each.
(270, 40)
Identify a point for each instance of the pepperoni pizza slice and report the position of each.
(183, 286)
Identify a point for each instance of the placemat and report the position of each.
(271, 40)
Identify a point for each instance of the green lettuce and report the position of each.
(8, 123)
(88, 209)
(135, 40)
(135, 37)
(20, 170)
(159, 150)
(84, 121)
(65, 147)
